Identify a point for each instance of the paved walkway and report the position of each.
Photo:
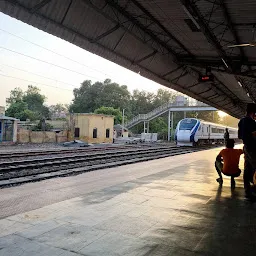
(171, 206)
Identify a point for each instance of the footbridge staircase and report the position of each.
(168, 107)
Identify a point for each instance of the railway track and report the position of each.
(9, 155)
(17, 171)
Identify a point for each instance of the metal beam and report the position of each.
(128, 29)
(192, 8)
(161, 26)
(214, 62)
(172, 71)
(66, 12)
(106, 33)
(141, 26)
(145, 57)
(231, 26)
(39, 6)
(225, 92)
(176, 79)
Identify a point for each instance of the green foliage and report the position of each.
(109, 98)
(210, 116)
(27, 105)
(142, 102)
(90, 96)
(42, 126)
(20, 111)
(229, 121)
(16, 95)
(164, 96)
(110, 111)
(160, 126)
(103, 98)
(56, 111)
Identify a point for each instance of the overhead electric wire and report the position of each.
(53, 79)
(47, 49)
(18, 78)
(61, 55)
(49, 63)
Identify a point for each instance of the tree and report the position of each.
(115, 95)
(163, 97)
(15, 96)
(87, 97)
(34, 98)
(160, 126)
(27, 105)
(20, 111)
(142, 102)
(58, 111)
(42, 126)
(210, 116)
(110, 111)
(230, 121)
(90, 96)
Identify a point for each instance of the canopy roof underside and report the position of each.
(169, 41)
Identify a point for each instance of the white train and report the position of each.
(192, 131)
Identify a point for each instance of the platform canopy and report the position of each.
(169, 41)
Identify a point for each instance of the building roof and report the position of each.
(3, 117)
(92, 114)
(168, 41)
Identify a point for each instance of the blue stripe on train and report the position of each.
(192, 136)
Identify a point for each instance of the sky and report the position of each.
(58, 71)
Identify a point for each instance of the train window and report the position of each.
(214, 130)
(94, 133)
(217, 130)
(107, 133)
(187, 124)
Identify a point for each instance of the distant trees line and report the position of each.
(103, 98)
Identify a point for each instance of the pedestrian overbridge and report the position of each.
(168, 107)
(185, 45)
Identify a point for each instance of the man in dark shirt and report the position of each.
(226, 136)
(247, 132)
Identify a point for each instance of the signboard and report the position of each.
(205, 78)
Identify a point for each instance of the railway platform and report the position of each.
(169, 206)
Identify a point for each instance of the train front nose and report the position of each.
(183, 136)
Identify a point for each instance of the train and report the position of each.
(193, 132)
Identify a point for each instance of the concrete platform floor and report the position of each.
(171, 206)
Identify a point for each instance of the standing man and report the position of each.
(226, 136)
(114, 135)
(247, 132)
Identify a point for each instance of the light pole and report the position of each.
(123, 124)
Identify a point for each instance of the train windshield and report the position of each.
(187, 124)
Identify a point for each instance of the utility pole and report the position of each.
(123, 124)
(169, 121)
(172, 126)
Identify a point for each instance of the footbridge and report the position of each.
(170, 108)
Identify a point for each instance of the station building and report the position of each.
(91, 128)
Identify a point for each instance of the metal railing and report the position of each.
(161, 110)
